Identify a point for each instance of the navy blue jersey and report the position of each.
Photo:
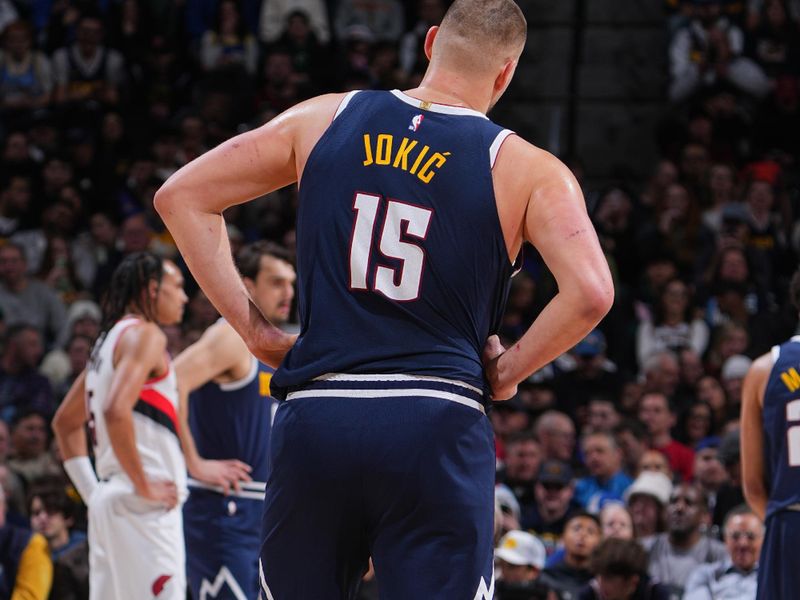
(781, 417)
(402, 264)
(232, 420)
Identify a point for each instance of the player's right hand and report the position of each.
(268, 343)
(492, 351)
(160, 491)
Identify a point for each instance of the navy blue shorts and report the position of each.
(403, 474)
(779, 565)
(222, 542)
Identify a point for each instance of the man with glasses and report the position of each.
(554, 493)
(736, 576)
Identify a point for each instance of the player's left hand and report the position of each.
(226, 474)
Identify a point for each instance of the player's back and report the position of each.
(232, 420)
(155, 419)
(781, 417)
(402, 263)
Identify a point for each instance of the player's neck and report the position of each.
(441, 86)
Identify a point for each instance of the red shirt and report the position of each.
(681, 459)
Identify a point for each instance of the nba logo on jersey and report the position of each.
(415, 123)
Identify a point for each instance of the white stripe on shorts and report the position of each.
(394, 377)
(387, 394)
(264, 585)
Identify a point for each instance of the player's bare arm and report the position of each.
(547, 209)
(246, 166)
(139, 355)
(219, 353)
(68, 427)
(70, 419)
(752, 435)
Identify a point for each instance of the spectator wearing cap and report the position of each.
(520, 557)
(732, 376)
(646, 499)
(709, 473)
(556, 434)
(736, 576)
(523, 459)
(658, 415)
(730, 494)
(593, 374)
(606, 480)
(21, 387)
(554, 493)
(24, 299)
(568, 576)
(676, 553)
(507, 511)
(620, 573)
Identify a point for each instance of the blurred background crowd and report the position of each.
(631, 435)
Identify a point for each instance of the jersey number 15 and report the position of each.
(391, 244)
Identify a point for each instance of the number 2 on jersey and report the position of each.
(793, 433)
(391, 245)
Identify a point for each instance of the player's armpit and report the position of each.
(752, 435)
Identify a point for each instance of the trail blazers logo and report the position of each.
(159, 583)
(212, 590)
(416, 122)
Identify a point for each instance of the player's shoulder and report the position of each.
(142, 335)
(519, 152)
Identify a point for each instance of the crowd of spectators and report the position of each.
(630, 436)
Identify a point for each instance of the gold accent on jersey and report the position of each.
(264, 380)
(791, 379)
(425, 105)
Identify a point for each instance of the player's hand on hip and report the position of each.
(269, 344)
(161, 492)
(492, 351)
(226, 474)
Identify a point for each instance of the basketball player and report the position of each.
(230, 416)
(770, 440)
(129, 397)
(410, 217)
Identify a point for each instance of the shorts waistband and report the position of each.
(794, 507)
(346, 385)
(253, 490)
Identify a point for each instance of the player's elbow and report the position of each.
(164, 201)
(597, 298)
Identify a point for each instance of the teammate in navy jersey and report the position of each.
(770, 440)
(410, 217)
(230, 414)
